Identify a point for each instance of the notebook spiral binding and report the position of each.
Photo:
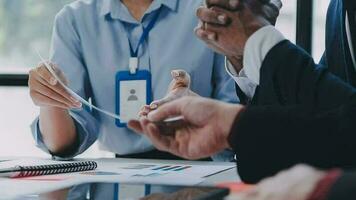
(27, 171)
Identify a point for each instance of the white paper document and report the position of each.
(109, 172)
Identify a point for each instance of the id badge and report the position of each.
(132, 92)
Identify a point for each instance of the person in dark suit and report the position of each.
(339, 55)
(288, 81)
(299, 113)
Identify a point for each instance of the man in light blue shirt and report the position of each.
(91, 44)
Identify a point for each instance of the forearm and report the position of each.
(57, 128)
(268, 139)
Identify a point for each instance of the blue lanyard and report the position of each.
(144, 35)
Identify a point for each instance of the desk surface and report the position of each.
(12, 188)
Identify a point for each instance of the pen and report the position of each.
(169, 126)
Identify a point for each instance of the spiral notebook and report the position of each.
(19, 171)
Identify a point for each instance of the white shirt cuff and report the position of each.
(245, 84)
(256, 49)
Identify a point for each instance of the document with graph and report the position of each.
(152, 170)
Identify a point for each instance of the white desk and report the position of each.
(12, 189)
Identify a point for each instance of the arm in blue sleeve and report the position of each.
(223, 84)
(224, 90)
(66, 52)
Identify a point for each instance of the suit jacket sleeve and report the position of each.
(269, 138)
(344, 187)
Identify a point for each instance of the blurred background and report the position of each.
(27, 24)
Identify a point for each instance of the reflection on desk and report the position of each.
(118, 191)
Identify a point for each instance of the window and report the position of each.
(319, 21)
(286, 22)
(25, 25)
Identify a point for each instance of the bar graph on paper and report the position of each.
(157, 168)
(151, 170)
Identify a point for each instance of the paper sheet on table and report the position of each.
(140, 173)
(71, 92)
(199, 171)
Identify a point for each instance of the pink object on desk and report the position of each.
(236, 187)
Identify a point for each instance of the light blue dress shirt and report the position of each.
(90, 45)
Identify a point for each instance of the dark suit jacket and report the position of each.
(301, 113)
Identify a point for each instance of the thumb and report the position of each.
(180, 78)
(155, 104)
(167, 110)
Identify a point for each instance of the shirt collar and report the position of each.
(105, 7)
(171, 4)
(114, 7)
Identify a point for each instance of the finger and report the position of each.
(44, 73)
(58, 88)
(43, 100)
(167, 110)
(205, 35)
(180, 78)
(182, 138)
(210, 16)
(59, 95)
(210, 38)
(143, 123)
(143, 114)
(46, 91)
(226, 4)
(162, 143)
(177, 73)
(154, 105)
(135, 125)
(200, 25)
(48, 77)
(144, 110)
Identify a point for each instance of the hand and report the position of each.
(179, 87)
(269, 9)
(295, 184)
(45, 90)
(208, 124)
(226, 25)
